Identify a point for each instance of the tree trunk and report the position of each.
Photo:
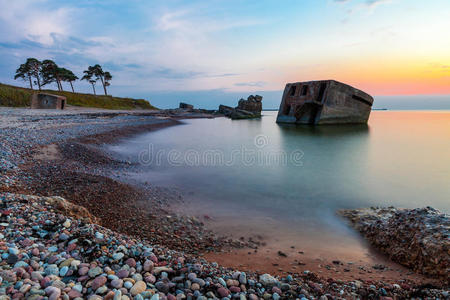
(103, 83)
(93, 87)
(71, 85)
(59, 84)
(38, 82)
(31, 85)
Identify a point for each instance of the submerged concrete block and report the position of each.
(324, 102)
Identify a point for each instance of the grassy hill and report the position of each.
(20, 97)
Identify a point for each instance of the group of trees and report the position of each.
(47, 71)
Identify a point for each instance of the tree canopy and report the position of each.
(47, 72)
(29, 70)
(68, 76)
(97, 72)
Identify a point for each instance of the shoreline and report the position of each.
(86, 162)
(79, 170)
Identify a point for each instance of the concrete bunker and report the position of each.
(48, 101)
(323, 102)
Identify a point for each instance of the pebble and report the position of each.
(268, 280)
(63, 271)
(118, 256)
(52, 270)
(83, 271)
(95, 272)
(138, 288)
(223, 292)
(117, 283)
(98, 282)
(243, 278)
(222, 282)
(67, 223)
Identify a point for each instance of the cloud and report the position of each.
(190, 21)
(225, 75)
(371, 4)
(251, 84)
(174, 74)
(440, 66)
(182, 45)
(33, 20)
(374, 3)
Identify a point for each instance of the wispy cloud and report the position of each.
(440, 66)
(174, 74)
(367, 4)
(374, 3)
(189, 20)
(251, 84)
(34, 20)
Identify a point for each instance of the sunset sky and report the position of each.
(199, 50)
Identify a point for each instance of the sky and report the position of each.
(211, 52)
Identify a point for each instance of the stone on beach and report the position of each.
(268, 280)
(138, 288)
(98, 282)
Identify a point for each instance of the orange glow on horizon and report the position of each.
(387, 77)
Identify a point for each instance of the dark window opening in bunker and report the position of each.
(63, 103)
(287, 109)
(292, 90)
(323, 86)
(304, 90)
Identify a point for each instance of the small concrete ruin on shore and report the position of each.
(324, 102)
(47, 101)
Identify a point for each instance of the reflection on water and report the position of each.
(324, 130)
(400, 159)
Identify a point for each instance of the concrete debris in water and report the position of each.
(186, 106)
(323, 102)
(246, 109)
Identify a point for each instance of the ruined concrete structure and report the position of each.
(47, 101)
(252, 104)
(186, 106)
(246, 109)
(323, 102)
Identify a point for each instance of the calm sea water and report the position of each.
(286, 182)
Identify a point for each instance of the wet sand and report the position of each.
(285, 252)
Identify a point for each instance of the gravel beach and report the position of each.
(71, 230)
